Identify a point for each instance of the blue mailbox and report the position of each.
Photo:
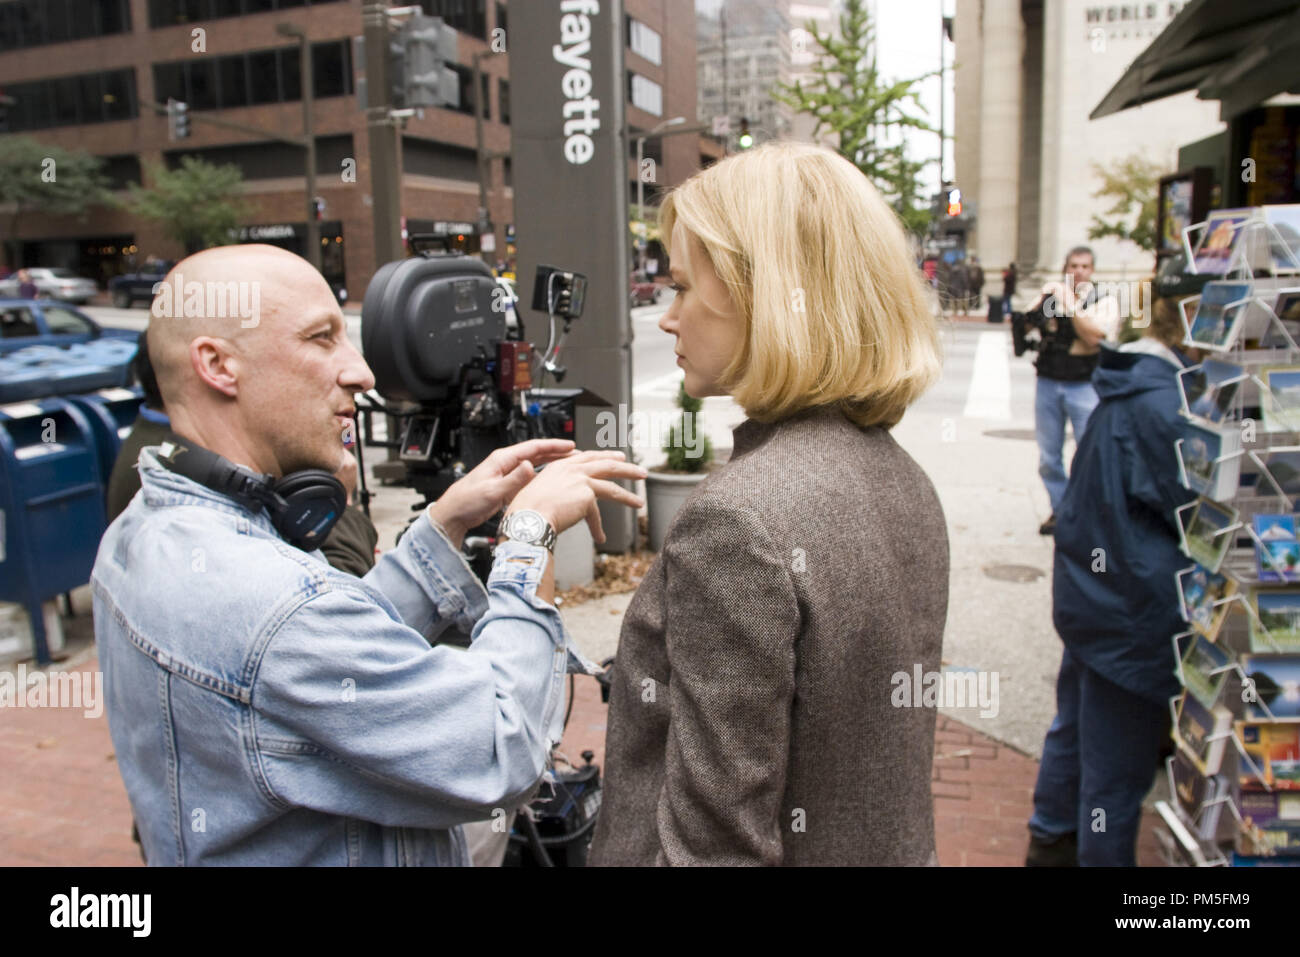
(51, 505)
(111, 413)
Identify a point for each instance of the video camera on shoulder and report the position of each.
(446, 345)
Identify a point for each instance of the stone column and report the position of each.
(999, 119)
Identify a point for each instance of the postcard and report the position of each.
(1280, 471)
(1201, 590)
(1281, 399)
(1274, 747)
(1202, 732)
(1285, 219)
(1213, 254)
(1270, 823)
(1275, 626)
(1203, 670)
(1287, 310)
(1208, 536)
(1277, 550)
(1210, 388)
(1211, 459)
(1276, 686)
(1218, 315)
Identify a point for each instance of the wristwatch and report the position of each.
(529, 527)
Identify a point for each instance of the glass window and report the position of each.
(263, 77)
(17, 322)
(65, 93)
(503, 101)
(328, 64)
(62, 321)
(90, 95)
(290, 73)
(643, 41)
(466, 77)
(202, 85)
(168, 82)
(645, 94)
(232, 73)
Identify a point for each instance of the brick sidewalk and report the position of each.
(62, 801)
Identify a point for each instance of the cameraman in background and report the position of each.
(1071, 322)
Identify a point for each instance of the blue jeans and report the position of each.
(1099, 760)
(1054, 400)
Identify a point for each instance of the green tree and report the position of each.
(1132, 184)
(40, 178)
(198, 205)
(848, 97)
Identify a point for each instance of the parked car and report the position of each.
(645, 290)
(41, 322)
(126, 289)
(57, 283)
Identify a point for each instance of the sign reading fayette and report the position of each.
(573, 51)
(568, 91)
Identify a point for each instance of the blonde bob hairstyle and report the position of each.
(820, 272)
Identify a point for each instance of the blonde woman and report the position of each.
(753, 718)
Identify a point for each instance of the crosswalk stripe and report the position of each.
(989, 396)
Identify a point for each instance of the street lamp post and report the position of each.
(640, 180)
(309, 139)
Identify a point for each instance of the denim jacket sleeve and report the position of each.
(428, 582)
(353, 713)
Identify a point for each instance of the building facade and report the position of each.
(753, 39)
(91, 74)
(1027, 75)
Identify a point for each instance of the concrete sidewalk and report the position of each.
(62, 800)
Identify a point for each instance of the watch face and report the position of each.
(527, 526)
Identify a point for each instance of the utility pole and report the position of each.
(640, 181)
(484, 214)
(945, 24)
(309, 139)
(385, 168)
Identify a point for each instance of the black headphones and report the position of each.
(303, 506)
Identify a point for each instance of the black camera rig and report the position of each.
(446, 345)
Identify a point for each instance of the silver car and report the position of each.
(54, 283)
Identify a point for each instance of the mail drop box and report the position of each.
(111, 413)
(51, 505)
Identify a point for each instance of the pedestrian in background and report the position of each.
(1073, 322)
(960, 280)
(26, 288)
(1008, 287)
(1117, 670)
(975, 283)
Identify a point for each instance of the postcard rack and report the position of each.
(1241, 454)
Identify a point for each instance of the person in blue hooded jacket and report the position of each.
(1115, 606)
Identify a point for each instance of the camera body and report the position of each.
(449, 356)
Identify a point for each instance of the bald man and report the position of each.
(266, 708)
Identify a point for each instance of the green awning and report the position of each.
(1239, 52)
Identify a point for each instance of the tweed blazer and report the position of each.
(750, 717)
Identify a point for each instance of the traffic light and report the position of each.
(746, 139)
(178, 119)
(954, 202)
(417, 64)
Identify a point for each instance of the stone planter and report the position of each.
(665, 492)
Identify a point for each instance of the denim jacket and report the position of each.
(266, 708)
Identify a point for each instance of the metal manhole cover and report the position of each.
(1028, 434)
(1014, 573)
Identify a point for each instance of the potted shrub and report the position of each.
(690, 453)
